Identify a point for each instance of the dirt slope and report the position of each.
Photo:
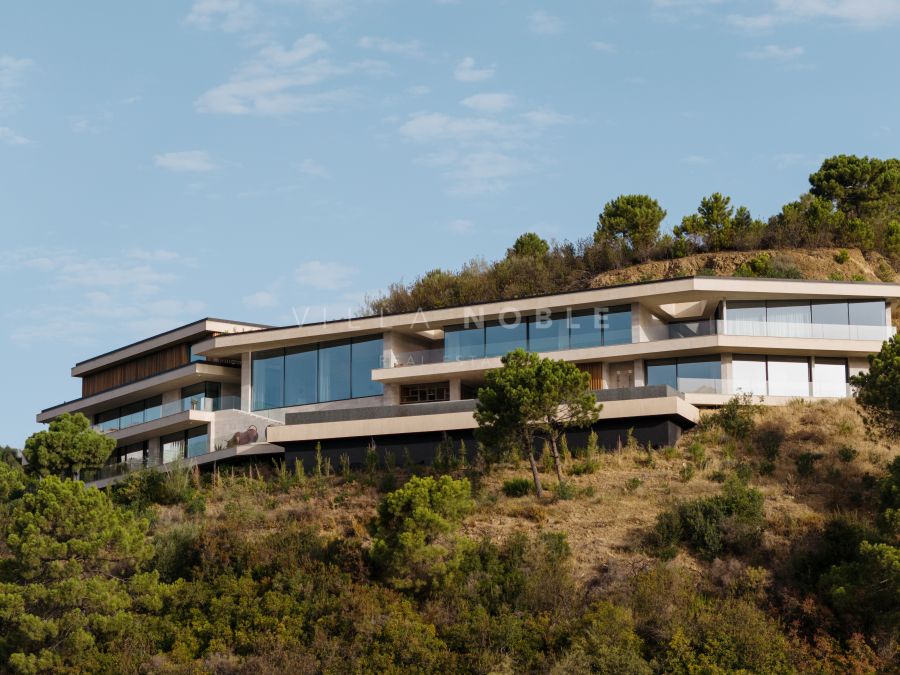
(819, 264)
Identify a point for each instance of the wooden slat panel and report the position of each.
(136, 369)
(595, 370)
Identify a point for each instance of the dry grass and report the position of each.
(613, 508)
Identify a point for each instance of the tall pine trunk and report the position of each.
(538, 490)
(554, 450)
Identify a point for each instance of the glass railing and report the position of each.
(789, 388)
(818, 331)
(168, 409)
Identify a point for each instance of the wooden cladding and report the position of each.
(136, 369)
(595, 370)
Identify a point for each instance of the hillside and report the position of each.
(825, 264)
(812, 463)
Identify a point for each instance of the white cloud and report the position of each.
(230, 16)
(387, 46)
(545, 117)
(277, 81)
(12, 71)
(697, 160)
(489, 103)
(775, 53)
(466, 71)
(186, 161)
(324, 10)
(460, 226)
(10, 137)
(260, 299)
(418, 90)
(153, 255)
(862, 13)
(543, 23)
(325, 276)
(601, 46)
(312, 168)
(439, 126)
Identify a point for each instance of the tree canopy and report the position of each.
(632, 221)
(878, 390)
(530, 245)
(67, 447)
(531, 397)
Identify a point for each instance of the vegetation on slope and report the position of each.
(847, 227)
(766, 541)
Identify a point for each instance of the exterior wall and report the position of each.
(857, 365)
(246, 384)
(648, 326)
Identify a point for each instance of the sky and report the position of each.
(281, 160)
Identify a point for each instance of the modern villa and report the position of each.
(656, 352)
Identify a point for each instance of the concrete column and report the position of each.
(153, 452)
(604, 374)
(455, 389)
(636, 322)
(171, 396)
(246, 375)
(727, 374)
(639, 373)
(391, 394)
(388, 358)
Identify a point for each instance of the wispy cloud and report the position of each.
(775, 53)
(230, 16)
(467, 71)
(186, 161)
(861, 13)
(479, 154)
(10, 137)
(260, 300)
(325, 276)
(311, 167)
(489, 103)
(387, 46)
(460, 226)
(278, 81)
(12, 75)
(544, 23)
(697, 160)
(606, 47)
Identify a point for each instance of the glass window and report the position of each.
(108, 420)
(830, 377)
(867, 313)
(788, 318)
(746, 318)
(268, 380)
(700, 374)
(172, 447)
(830, 320)
(749, 374)
(193, 397)
(197, 442)
(463, 343)
(334, 372)
(548, 334)
(663, 371)
(585, 329)
(617, 326)
(684, 329)
(366, 356)
(502, 338)
(195, 358)
(133, 455)
(153, 408)
(301, 368)
(788, 376)
(132, 414)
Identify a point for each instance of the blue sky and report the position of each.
(261, 159)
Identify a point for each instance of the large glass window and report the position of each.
(197, 442)
(463, 343)
(788, 376)
(585, 329)
(700, 374)
(617, 326)
(830, 320)
(830, 377)
(662, 371)
(749, 374)
(334, 372)
(132, 414)
(268, 380)
(548, 334)
(502, 338)
(301, 370)
(367, 355)
(172, 447)
(788, 318)
(153, 408)
(202, 396)
(867, 313)
(746, 317)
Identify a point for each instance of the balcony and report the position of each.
(202, 404)
(788, 388)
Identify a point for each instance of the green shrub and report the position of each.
(842, 256)
(697, 453)
(585, 466)
(633, 483)
(517, 487)
(769, 438)
(566, 490)
(606, 642)
(686, 473)
(736, 417)
(731, 521)
(806, 463)
(847, 453)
